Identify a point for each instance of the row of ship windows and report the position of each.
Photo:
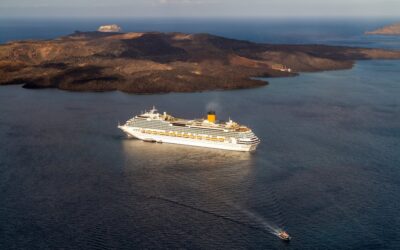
(166, 125)
(247, 142)
(186, 130)
(183, 135)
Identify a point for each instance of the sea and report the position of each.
(327, 170)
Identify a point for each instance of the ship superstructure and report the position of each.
(163, 128)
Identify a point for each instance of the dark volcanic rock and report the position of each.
(164, 62)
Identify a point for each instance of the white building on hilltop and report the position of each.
(109, 28)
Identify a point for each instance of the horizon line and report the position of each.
(204, 17)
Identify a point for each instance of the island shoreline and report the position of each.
(154, 62)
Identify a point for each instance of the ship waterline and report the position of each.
(163, 128)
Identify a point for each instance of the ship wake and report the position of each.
(243, 217)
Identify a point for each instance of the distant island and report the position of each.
(393, 29)
(156, 62)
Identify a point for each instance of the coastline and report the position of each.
(154, 62)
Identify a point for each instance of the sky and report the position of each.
(200, 8)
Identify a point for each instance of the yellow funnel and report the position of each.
(211, 116)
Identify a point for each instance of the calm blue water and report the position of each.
(330, 31)
(327, 170)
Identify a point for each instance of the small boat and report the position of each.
(283, 235)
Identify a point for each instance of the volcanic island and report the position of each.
(155, 62)
(390, 30)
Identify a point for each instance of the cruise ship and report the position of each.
(152, 126)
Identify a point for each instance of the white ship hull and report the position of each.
(134, 132)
